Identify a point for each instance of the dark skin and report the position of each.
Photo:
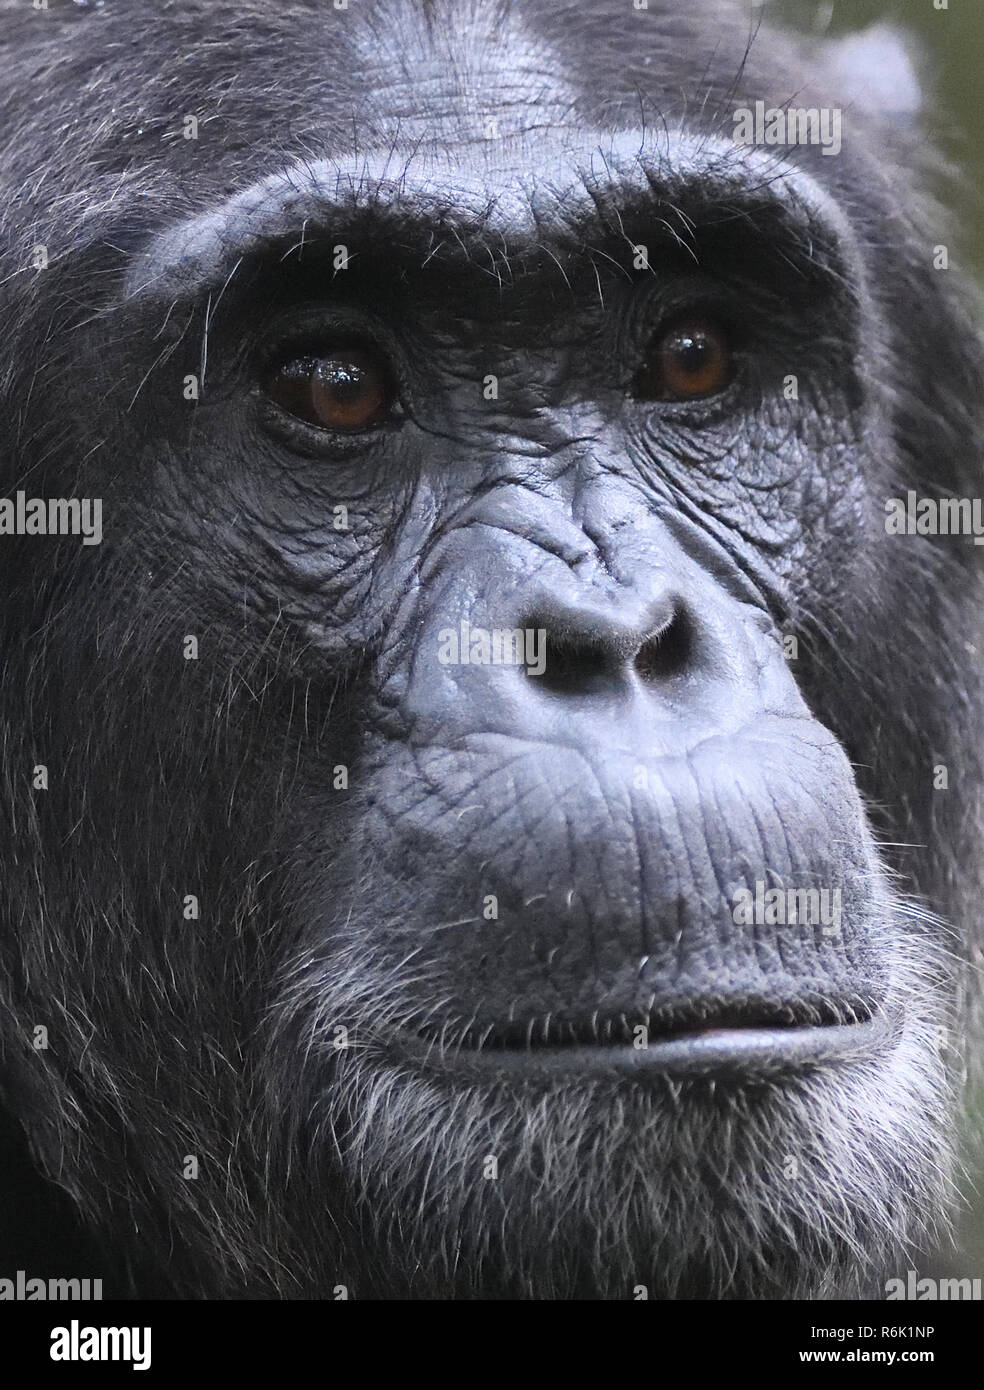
(434, 384)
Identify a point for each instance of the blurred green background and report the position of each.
(952, 44)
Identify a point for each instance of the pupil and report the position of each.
(345, 380)
(693, 354)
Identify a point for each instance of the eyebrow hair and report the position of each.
(423, 195)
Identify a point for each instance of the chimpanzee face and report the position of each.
(491, 826)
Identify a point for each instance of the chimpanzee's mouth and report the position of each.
(696, 1038)
(666, 1024)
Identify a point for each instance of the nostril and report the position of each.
(667, 652)
(595, 659)
(576, 664)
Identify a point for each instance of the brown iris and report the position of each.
(690, 360)
(345, 389)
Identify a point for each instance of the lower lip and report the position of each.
(726, 1051)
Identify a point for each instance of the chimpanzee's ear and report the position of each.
(881, 70)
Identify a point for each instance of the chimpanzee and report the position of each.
(491, 732)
